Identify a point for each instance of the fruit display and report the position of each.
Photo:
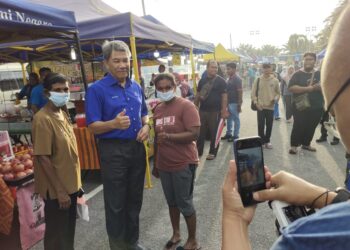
(18, 168)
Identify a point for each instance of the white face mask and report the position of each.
(59, 99)
(166, 96)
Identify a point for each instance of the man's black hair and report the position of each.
(310, 54)
(211, 61)
(43, 70)
(231, 65)
(53, 78)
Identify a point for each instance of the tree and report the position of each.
(268, 50)
(247, 49)
(323, 36)
(297, 44)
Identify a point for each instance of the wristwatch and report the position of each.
(342, 195)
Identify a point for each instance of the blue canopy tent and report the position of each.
(22, 22)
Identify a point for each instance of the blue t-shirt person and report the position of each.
(37, 97)
(327, 229)
(105, 99)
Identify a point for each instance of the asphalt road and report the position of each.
(325, 167)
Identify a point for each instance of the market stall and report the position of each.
(24, 22)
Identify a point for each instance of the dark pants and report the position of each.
(123, 165)
(60, 224)
(305, 123)
(209, 123)
(287, 101)
(265, 118)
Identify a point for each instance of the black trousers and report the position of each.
(265, 119)
(287, 101)
(209, 124)
(304, 126)
(123, 165)
(60, 224)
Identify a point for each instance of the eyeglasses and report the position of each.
(341, 90)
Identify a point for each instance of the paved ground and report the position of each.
(326, 167)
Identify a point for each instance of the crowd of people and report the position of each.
(117, 115)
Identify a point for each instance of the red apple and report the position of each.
(29, 171)
(26, 157)
(6, 168)
(9, 177)
(28, 163)
(20, 175)
(18, 168)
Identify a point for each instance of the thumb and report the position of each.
(231, 177)
(265, 195)
(122, 113)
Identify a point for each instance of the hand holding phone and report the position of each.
(250, 168)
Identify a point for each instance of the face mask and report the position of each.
(167, 96)
(59, 99)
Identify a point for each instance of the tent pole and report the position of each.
(134, 59)
(24, 74)
(193, 72)
(80, 56)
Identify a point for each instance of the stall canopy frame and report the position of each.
(22, 22)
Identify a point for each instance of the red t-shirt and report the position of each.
(176, 117)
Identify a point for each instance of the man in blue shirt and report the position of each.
(37, 98)
(117, 114)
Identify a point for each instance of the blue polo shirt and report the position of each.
(37, 97)
(106, 98)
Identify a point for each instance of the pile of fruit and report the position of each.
(18, 167)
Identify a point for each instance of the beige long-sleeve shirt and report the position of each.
(269, 92)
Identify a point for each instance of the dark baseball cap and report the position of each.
(266, 65)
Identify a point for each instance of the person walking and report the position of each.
(265, 93)
(177, 126)
(307, 104)
(234, 93)
(211, 99)
(117, 114)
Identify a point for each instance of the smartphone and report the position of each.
(250, 168)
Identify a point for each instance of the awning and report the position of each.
(221, 55)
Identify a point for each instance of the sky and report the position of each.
(269, 21)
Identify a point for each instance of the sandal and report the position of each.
(293, 151)
(309, 148)
(182, 248)
(210, 157)
(170, 244)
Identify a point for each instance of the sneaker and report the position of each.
(293, 151)
(277, 118)
(268, 146)
(226, 137)
(335, 141)
(321, 139)
(231, 139)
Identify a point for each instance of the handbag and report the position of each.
(302, 101)
(253, 105)
(206, 89)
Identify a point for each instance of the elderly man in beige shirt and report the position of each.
(265, 93)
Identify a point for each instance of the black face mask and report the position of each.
(341, 90)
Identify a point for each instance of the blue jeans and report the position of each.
(234, 117)
(276, 110)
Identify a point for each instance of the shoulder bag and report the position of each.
(302, 101)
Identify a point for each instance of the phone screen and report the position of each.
(251, 167)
